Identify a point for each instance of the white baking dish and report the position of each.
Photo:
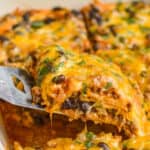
(9, 5)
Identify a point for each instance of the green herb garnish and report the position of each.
(108, 85)
(89, 137)
(45, 69)
(37, 24)
(42, 72)
(84, 88)
(130, 20)
(88, 144)
(57, 67)
(82, 62)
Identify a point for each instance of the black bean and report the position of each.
(58, 79)
(74, 102)
(85, 106)
(26, 16)
(3, 38)
(57, 8)
(70, 104)
(95, 9)
(98, 19)
(104, 146)
(48, 20)
(95, 15)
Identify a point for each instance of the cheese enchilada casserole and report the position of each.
(91, 74)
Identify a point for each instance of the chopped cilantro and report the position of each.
(45, 69)
(57, 67)
(42, 72)
(46, 61)
(88, 144)
(37, 24)
(130, 20)
(89, 137)
(82, 62)
(108, 85)
(84, 88)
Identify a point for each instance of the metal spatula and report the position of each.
(11, 94)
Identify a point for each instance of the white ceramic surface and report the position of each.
(9, 5)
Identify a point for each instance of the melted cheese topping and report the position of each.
(42, 27)
(81, 85)
(88, 82)
(122, 26)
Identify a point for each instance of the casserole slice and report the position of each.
(86, 87)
